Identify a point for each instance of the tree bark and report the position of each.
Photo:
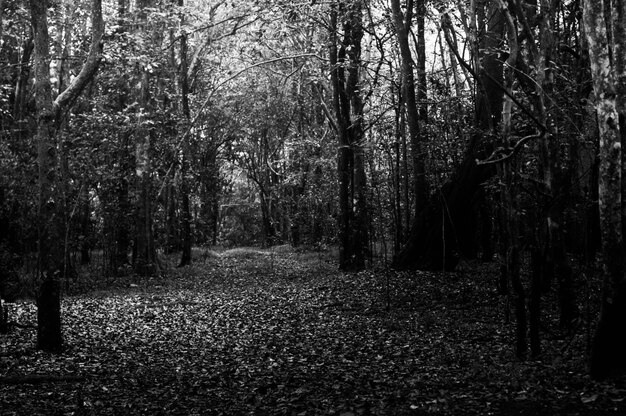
(146, 263)
(402, 25)
(23, 74)
(608, 358)
(445, 228)
(185, 259)
(360, 233)
(51, 236)
(345, 61)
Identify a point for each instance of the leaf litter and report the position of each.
(287, 334)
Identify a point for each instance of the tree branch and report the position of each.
(90, 67)
(445, 24)
(215, 89)
(493, 159)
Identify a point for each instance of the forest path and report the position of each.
(254, 332)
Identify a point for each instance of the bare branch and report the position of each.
(325, 109)
(445, 23)
(511, 152)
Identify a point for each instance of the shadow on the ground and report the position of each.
(280, 332)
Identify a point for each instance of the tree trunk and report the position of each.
(51, 236)
(345, 61)
(360, 233)
(123, 217)
(85, 225)
(344, 157)
(21, 90)
(49, 334)
(145, 258)
(445, 228)
(420, 142)
(269, 231)
(123, 224)
(185, 259)
(402, 25)
(608, 358)
(172, 241)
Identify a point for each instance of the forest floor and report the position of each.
(276, 332)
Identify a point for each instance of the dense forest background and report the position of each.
(415, 134)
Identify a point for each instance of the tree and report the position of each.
(609, 80)
(184, 95)
(145, 257)
(445, 228)
(345, 61)
(51, 260)
(402, 24)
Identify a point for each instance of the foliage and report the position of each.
(284, 333)
(256, 155)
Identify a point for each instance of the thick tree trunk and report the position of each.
(49, 336)
(445, 229)
(441, 230)
(51, 237)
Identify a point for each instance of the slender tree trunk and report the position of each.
(184, 190)
(266, 219)
(345, 155)
(1, 18)
(508, 172)
(608, 358)
(172, 242)
(552, 174)
(534, 304)
(123, 223)
(360, 232)
(21, 86)
(422, 102)
(145, 258)
(402, 25)
(396, 169)
(85, 225)
(618, 49)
